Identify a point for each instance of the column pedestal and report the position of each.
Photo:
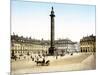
(52, 51)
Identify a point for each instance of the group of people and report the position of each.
(33, 57)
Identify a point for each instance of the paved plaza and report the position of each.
(75, 62)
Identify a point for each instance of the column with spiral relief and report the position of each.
(52, 43)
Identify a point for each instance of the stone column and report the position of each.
(52, 47)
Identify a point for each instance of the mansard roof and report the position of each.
(21, 39)
(89, 38)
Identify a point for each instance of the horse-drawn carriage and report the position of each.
(42, 62)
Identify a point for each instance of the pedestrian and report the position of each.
(32, 58)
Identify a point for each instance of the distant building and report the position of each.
(88, 44)
(20, 44)
(66, 46)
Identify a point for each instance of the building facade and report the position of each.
(66, 46)
(88, 44)
(20, 44)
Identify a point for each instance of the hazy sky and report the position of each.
(71, 21)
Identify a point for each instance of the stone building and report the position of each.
(88, 44)
(66, 46)
(20, 44)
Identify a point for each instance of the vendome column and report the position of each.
(52, 46)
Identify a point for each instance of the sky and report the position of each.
(32, 19)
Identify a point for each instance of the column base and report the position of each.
(52, 51)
